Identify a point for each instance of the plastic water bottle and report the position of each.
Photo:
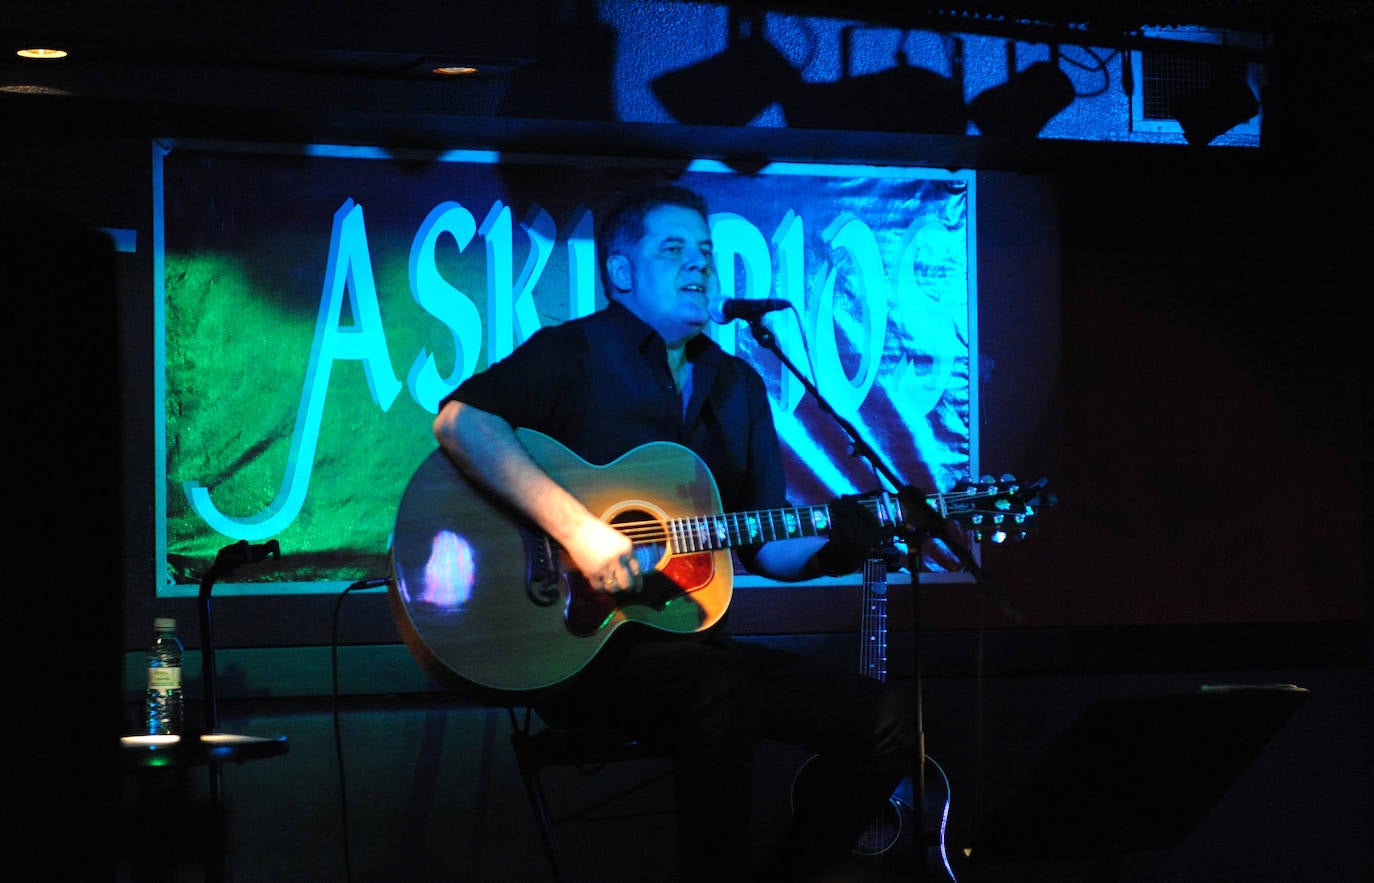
(164, 705)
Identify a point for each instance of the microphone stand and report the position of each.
(918, 523)
(227, 561)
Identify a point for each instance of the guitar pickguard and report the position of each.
(590, 610)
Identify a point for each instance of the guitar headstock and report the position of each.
(997, 510)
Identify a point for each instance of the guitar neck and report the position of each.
(703, 533)
(707, 533)
(990, 508)
(873, 621)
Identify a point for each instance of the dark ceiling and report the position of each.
(371, 53)
(362, 34)
(1112, 16)
(1111, 23)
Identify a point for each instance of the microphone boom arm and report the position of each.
(919, 520)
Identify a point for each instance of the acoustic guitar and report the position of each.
(894, 828)
(895, 823)
(482, 596)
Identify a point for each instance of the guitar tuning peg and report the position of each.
(1008, 478)
(987, 479)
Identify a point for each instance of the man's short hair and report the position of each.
(623, 225)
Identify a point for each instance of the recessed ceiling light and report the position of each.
(30, 89)
(453, 70)
(38, 52)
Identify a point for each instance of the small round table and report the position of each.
(160, 766)
(197, 749)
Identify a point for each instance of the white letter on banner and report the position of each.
(444, 302)
(507, 315)
(922, 390)
(734, 237)
(790, 241)
(364, 340)
(539, 226)
(496, 232)
(846, 394)
(582, 269)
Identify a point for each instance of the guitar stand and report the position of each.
(919, 523)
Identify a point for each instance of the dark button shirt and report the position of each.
(601, 385)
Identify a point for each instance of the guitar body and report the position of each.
(891, 830)
(896, 827)
(482, 597)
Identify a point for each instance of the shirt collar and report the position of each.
(643, 337)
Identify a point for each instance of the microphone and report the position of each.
(749, 309)
(242, 552)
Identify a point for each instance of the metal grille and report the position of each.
(1164, 76)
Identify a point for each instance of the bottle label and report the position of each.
(164, 678)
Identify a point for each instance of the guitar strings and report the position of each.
(653, 530)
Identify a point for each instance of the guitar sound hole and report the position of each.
(885, 832)
(646, 532)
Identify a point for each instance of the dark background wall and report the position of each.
(1166, 331)
(1198, 402)
(1198, 399)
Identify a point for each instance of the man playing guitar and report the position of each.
(641, 372)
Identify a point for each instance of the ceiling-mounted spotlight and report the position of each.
(1026, 102)
(731, 88)
(900, 98)
(1213, 110)
(930, 103)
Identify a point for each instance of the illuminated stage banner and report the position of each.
(317, 303)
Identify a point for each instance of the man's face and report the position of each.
(669, 276)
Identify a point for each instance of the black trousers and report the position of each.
(710, 700)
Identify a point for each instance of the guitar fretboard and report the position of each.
(873, 625)
(707, 533)
(704, 533)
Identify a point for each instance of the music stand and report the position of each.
(1135, 773)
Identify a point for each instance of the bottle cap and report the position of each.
(164, 624)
